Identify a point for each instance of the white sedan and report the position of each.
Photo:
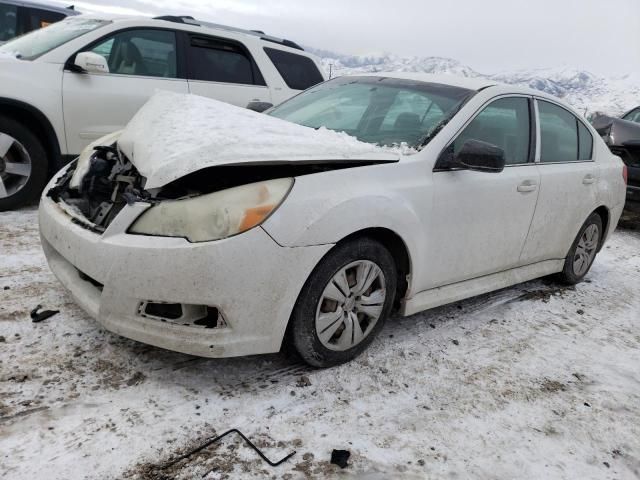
(216, 231)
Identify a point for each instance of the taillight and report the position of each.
(625, 174)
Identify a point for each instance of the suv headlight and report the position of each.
(214, 215)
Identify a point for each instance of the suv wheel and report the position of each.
(23, 165)
(343, 304)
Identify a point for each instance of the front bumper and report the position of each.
(252, 280)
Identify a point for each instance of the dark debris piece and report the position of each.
(214, 440)
(37, 317)
(340, 458)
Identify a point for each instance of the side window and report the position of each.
(150, 53)
(558, 134)
(8, 22)
(504, 123)
(42, 18)
(633, 116)
(214, 60)
(585, 142)
(297, 71)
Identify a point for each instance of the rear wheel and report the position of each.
(583, 251)
(23, 165)
(343, 304)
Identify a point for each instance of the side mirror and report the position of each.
(480, 156)
(91, 62)
(259, 106)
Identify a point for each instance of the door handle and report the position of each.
(527, 186)
(588, 179)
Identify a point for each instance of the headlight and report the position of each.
(215, 215)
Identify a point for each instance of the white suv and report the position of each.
(73, 82)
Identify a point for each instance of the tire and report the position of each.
(584, 247)
(23, 152)
(310, 333)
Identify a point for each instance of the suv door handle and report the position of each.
(527, 186)
(588, 179)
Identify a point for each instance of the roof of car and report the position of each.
(43, 6)
(453, 80)
(188, 21)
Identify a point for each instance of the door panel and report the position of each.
(239, 95)
(568, 183)
(567, 197)
(480, 222)
(95, 105)
(140, 61)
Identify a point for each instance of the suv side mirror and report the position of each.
(480, 156)
(91, 62)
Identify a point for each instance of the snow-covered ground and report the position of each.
(536, 381)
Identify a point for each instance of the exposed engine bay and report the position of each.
(110, 183)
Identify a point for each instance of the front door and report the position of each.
(140, 62)
(481, 220)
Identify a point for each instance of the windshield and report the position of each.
(379, 110)
(41, 41)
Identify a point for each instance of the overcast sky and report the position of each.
(602, 36)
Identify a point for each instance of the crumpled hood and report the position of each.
(176, 134)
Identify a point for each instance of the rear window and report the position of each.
(298, 72)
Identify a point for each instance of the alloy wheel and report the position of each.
(586, 249)
(15, 166)
(350, 305)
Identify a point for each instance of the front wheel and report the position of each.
(23, 165)
(344, 303)
(583, 251)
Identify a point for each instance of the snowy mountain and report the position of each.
(586, 92)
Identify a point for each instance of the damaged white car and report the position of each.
(216, 231)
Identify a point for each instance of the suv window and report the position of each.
(42, 18)
(633, 116)
(504, 123)
(150, 53)
(8, 22)
(298, 72)
(563, 138)
(215, 60)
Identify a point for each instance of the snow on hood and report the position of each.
(176, 134)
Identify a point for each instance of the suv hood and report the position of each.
(177, 134)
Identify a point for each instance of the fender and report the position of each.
(328, 207)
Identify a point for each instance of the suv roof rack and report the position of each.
(256, 33)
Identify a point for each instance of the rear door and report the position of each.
(568, 183)
(481, 220)
(140, 61)
(224, 70)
